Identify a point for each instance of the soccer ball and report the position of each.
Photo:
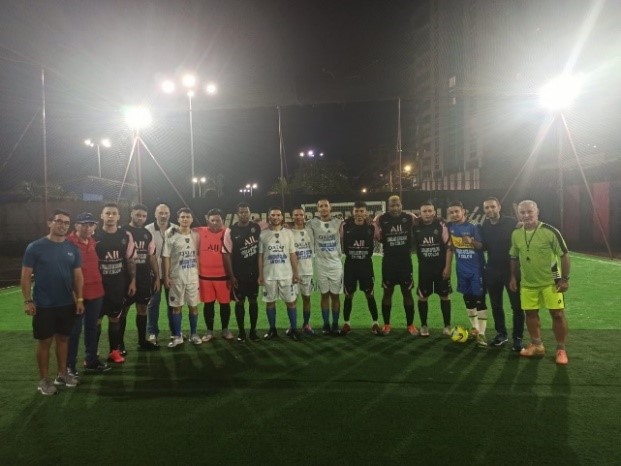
(459, 334)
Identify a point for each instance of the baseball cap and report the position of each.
(86, 217)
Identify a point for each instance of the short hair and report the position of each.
(243, 205)
(394, 197)
(298, 207)
(428, 202)
(140, 207)
(59, 212)
(492, 198)
(162, 204)
(214, 212)
(113, 205)
(360, 204)
(323, 199)
(185, 210)
(275, 208)
(528, 201)
(456, 204)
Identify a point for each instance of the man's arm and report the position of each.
(26, 284)
(78, 286)
(166, 271)
(563, 284)
(294, 266)
(515, 268)
(156, 272)
(260, 268)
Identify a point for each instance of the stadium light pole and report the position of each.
(251, 187)
(104, 142)
(190, 83)
(199, 181)
(138, 118)
(556, 96)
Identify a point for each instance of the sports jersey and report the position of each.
(113, 250)
(327, 245)
(145, 247)
(244, 242)
(358, 240)
(538, 251)
(52, 264)
(395, 233)
(469, 260)
(182, 249)
(303, 240)
(277, 247)
(431, 243)
(93, 286)
(159, 236)
(211, 248)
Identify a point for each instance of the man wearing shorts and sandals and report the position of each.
(535, 251)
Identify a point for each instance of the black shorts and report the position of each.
(144, 291)
(430, 281)
(50, 321)
(397, 271)
(358, 272)
(113, 305)
(247, 287)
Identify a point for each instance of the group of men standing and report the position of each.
(90, 274)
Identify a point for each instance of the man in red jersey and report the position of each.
(214, 263)
(93, 293)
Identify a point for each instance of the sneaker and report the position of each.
(253, 335)
(227, 334)
(152, 338)
(293, 334)
(346, 329)
(446, 331)
(498, 341)
(336, 332)
(208, 336)
(97, 366)
(412, 330)
(115, 356)
(195, 339)
(376, 330)
(517, 345)
(326, 329)
(386, 329)
(73, 372)
(561, 357)
(122, 350)
(271, 334)
(66, 381)
(533, 350)
(481, 341)
(307, 329)
(424, 331)
(241, 336)
(175, 342)
(148, 345)
(46, 387)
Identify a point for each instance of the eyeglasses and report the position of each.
(61, 222)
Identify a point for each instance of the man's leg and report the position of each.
(325, 312)
(92, 308)
(335, 304)
(74, 342)
(43, 357)
(153, 313)
(62, 347)
(559, 326)
(518, 318)
(494, 289)
(386, 306)
(408, 305)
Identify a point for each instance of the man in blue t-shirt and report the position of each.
(55, 299)
(467, 244)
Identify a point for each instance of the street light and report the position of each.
(199, 181)
(138, 118)
(251, 187)
(190, 82)
(104, 142)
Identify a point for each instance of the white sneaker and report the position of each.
(176, 341)
(196, 340)
(424, 331)
(208, 336)
(152, 338)
(446, 331)
(227, 334)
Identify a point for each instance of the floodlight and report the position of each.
(188, 80)
(311, 153)
(203, 179)
(194, 180)
(301, 154)
(105, 142)
(255, 186)
(320, 154)
(138, 117)
(364, 190)
(168, 86)
(560, 92)
(407, 168)
(211, 88)
(89, 143)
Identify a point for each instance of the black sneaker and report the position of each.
(293, 334)
(253, 335)
(498, 341)
(326, 329)
(148, 346)
(241, 336)
(517, 345)
(271, 334)
(122, 349)
(97, 366)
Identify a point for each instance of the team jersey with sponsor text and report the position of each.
(303, 240)
(277, 247)
(327, 245)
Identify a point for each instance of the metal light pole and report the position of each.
(104, 142)
(190, 95)
(251, 187)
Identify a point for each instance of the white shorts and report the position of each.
(306, 285)
(181, 294)
(330, 284)
(283, 289)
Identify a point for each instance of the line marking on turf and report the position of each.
(599, 261)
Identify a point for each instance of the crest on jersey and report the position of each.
(404, 219)
(252, 230)
(124, 241)
(435, 232)
(145, 236)
(302, 233)
(277, 235)
(187, 240)
(327, 225)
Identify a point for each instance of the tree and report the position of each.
(320, 176)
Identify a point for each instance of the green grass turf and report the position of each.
(359, 399)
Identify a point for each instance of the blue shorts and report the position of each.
(470, 284)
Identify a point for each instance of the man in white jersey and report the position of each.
(180, 272)
(304, 250)
(278, 272)
(328, 264)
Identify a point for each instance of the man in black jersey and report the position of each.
(116, 251)
(432, 242)
(394, 231)
(357, 240)
(147, 278)
(496, 231)
(244, 236)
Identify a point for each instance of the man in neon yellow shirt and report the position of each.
(535, 251)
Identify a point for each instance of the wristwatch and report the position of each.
(565, 277)
(28, 301)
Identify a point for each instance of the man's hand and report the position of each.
(562, 286)
(79, 308)
(31, 309)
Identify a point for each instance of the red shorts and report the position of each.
(215, 290)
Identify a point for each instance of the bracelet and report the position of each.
(80, 300)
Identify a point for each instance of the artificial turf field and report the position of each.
(358, 399)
